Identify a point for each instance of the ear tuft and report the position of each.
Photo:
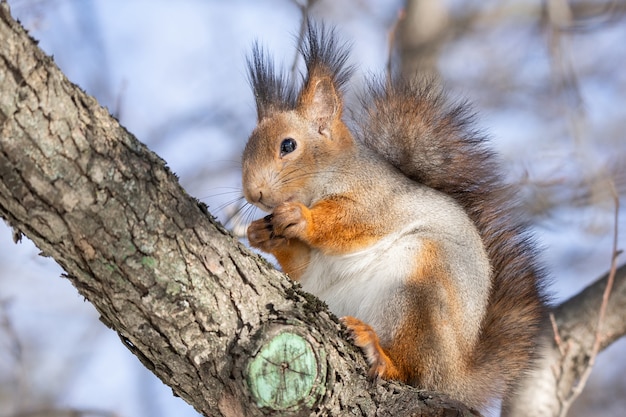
(271, 87)
(327, 71)
(325, 55)
(320, 97)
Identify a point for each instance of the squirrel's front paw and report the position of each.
(261, 234)
(289, 220)
(366, 338)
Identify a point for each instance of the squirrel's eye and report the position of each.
(287, 146)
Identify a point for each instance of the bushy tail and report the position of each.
(435, 143)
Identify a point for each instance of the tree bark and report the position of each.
(564, 357)
(230, 334)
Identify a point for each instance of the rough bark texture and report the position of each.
(191, 302)
(194, 305)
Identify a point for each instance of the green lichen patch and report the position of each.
(286, 373)
(148, 262)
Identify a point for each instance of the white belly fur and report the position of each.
(363, 284)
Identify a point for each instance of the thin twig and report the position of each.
(557, 335)
(557, 369)
(304, 10)
(70, 412)
(582, 381)
(16, 351)
(391, 37)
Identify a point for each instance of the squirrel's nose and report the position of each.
(264, 205)
(258, 196)
(253, 194)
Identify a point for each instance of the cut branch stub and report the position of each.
(288, 370)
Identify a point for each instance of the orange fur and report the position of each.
(292, 254)
(425, 335)
(335, 229)
(293, 257)
(468, 310)
(330, 225)
(381, 365)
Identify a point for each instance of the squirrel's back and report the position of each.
(433, 142)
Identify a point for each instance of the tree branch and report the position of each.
(581, 327)
(229, 334)
(562, 363)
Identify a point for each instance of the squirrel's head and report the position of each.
(299, 137)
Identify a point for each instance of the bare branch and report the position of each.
(392, 34)
(576, 320)
(568, 394)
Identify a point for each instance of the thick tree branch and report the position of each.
(216, 323)
(563, 363)
(576, 318)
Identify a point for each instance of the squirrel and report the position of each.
(400, 223)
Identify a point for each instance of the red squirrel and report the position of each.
(401, 225)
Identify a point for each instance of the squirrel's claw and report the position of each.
(288, 221)
(261, 235)
(366, 338)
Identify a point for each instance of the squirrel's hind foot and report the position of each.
(366, 338)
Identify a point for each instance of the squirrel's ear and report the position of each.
(320, 103)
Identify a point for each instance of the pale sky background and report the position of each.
(174, 73)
